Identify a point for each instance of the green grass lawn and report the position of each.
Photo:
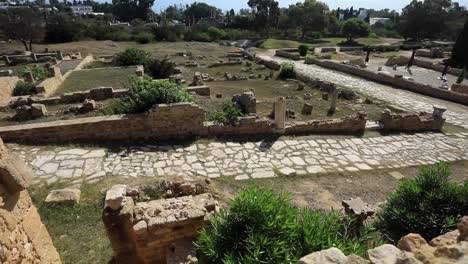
(281, 44)
(89, 79)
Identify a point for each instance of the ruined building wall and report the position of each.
(23, 237)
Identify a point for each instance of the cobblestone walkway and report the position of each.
(244, 160)
(457, 114)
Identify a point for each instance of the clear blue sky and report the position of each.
(238, 4)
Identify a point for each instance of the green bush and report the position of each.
(143, 37)
(429, 205)
(24, 88)
(303, 49)
(159, 69)
(323, 230)
(287, 71)
(145, 92)
(259, 227)
(38, 72)
(215, 33)
(131, 56)
(229, 116)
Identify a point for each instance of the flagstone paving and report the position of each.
(244, 160)
(456, 114)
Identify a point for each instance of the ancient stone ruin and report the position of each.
(148, 231)
(413, 122)
(23, 237)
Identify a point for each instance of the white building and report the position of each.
(82, 10)
(375, 20)
(363, 13)
(6, 4)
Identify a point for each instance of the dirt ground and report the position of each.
(327, 191)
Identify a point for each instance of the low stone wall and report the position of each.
(23, 237)
(409, 122)
(460, 88)
(329, 49)
(287, 54)
(348, 125)
(183, 120)
(200, 90)
(7, 85)
(145, 232)
(50, 85)
(403, 61)
(390, 80)
(273, 65)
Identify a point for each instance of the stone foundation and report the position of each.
(7, 85)
(409, 122)
(460, 88)
(23, 237)
(288, 54)
(146, 232)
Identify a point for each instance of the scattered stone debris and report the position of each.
(64, 197)
(197, 80)
(307, 97)
(33, 111)
(307, 109)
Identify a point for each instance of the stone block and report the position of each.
(246, 101)
(88, 106)
(64, 196)
(328, 256)
(307, 109)
(14, 174)
(38, 110)
(385, 254)
(101, 93)
(115, 197)
(460, 88)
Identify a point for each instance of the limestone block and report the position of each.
(412, 242)
(64, 196)
(115, 196)
(307, 109)
(385, 254)
(14, 174)
(38, 110)
(328, 256)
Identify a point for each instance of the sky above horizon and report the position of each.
(333, 4)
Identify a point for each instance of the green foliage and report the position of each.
(166, 33)
(428, 205)
(131, 56)
(260, 226)
(229, 116)
(159, 69)
(354, 28)
(322, 230)
(62, 28)
(143, 37)
(145, 92)
(216, 33)
(303, 49)
(287, 71)
(24, 88)
(38, 72)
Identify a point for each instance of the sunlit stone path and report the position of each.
(244, 160)
(456, 114)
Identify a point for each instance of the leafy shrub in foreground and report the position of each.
(24, 88)
(287, 71)
(130, 57)
(145, 92)
(159, 69)
(229, 116)
(38, 71)
(261, 226)
(303, 49)
(429, 205)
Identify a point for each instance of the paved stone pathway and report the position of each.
(456, 114)
(244, 160)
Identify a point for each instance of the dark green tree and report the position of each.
(266, 13)
(354, 28)
(25, 24)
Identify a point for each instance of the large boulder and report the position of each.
(14, 174)
(38, 110)
(88, 106)
(329, 256)
(385, 254)
(115, 197)
(246, 101)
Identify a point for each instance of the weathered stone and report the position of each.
(307, 109)
(101, 93)
(197, 80)
(88, 106)
(358, 62)
(357, 208)
(325, 96)
(287, 171)
(412, 242)
(385, 254)
(246, 101)
(64, 196)
(463, 229)
(307, 96)
(14, 174)
(38, 110)
(328, 256)
(115, 196)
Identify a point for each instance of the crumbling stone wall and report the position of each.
(391, 80)
(7, 85)
(349, 125)
(23, 237)
(145, 232)
(410, 122)
(287, 53)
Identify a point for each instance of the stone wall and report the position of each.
(23, 237)
(403, 61)
(48, 86)
(348, 125)
(7, 85)
(460, 88)
(288, 54)
(411, 122)
(145, 232)
(390, 80)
